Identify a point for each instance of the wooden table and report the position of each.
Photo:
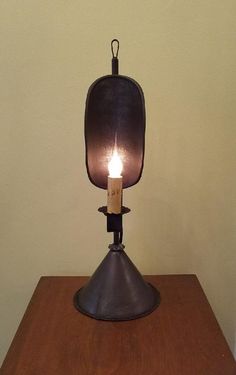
(181, 337)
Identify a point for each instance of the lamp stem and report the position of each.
(116, 238)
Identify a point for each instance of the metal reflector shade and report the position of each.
(114, 116)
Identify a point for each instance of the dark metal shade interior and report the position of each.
(115, 115)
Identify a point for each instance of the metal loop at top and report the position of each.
(117, 47)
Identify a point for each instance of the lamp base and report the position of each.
(117, 291)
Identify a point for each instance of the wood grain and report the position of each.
(181, 337)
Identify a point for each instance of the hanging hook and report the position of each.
(115, 51)
(117, 47)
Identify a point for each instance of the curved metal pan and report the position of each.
(114, 117)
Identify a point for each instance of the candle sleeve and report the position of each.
(114, 195)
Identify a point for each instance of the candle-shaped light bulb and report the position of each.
(115, 165)
(114, 184)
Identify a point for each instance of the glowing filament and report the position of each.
(115, 165)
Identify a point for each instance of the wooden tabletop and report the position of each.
(181, 337)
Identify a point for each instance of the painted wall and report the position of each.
(183, 210)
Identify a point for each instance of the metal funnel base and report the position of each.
(117, 291)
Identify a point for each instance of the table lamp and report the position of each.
(114, 139)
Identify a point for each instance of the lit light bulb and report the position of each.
(114, 184)
(115, 165)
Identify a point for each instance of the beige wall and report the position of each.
(183, 210)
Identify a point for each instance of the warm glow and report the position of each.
(115, 165)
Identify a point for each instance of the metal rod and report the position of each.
(116, 238)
